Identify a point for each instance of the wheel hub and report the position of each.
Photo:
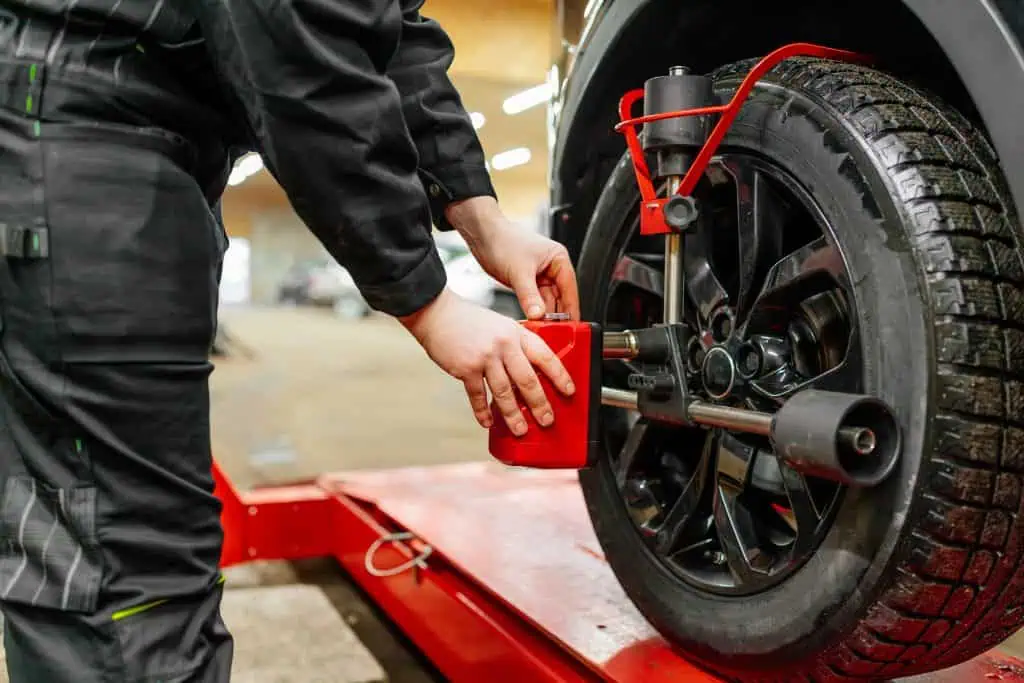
(719, 373)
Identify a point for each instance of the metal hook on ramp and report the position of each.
(418, 562)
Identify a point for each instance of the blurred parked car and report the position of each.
(465, 277)
(304, 282)
(323, 282)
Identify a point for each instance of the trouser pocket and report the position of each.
(134, 246)
(49, 555)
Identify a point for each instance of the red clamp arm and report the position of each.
(652, 216)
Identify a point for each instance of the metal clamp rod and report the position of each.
(858, 439)
(748, 421)
(673, 276)
(618, 398)
(620, 345)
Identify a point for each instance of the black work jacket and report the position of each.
(348, 102)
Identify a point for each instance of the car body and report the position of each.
(970, 56)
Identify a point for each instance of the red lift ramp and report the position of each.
(512, 586)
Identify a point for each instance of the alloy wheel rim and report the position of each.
(769, 298)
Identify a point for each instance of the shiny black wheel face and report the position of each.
(769, 301)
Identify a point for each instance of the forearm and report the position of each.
(477, 219)
(309, 76)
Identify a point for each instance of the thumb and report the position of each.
(529, 297)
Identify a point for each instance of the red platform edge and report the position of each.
(465, 628)
(460, 629)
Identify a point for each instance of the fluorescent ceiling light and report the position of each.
(478, 120)
(247, 166)
(510, 158)
(527, 99)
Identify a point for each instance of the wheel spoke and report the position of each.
(734, 460)
(672, 529)
(846, 376)
(703, 286)
(816, 255)
(795, 278)
(630, 271)
(733, 522)
(805, 512)
(735, 535)
(759, 233)
(635, 441)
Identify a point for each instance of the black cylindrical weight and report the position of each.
(675, 92)
(848, 438)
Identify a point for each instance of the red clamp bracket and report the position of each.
(652, 210)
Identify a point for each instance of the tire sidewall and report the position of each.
(823, 600)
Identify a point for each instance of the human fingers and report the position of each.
(476, 390)
(564, 276)
(525, 378)
(504, 396)
(550, 295)
(540, 354)
(524, 282)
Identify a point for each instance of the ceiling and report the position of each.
(501, 47)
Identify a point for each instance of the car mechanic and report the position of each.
(120, 123)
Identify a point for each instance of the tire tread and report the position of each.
(960, 588)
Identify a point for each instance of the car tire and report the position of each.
(924, 571)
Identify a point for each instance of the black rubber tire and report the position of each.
(924, 571)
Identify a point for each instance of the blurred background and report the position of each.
(307, 378)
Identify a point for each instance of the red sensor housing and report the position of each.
(571, 442)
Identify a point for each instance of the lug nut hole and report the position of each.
(721, 325)
(694, 355)
(748, 360)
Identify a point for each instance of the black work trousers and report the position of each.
(110, 533)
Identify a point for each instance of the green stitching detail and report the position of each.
(132, 611)
(32, 73)
(78, 445)
(37, 130)
(28, 104)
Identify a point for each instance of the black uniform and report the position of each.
(119, 122)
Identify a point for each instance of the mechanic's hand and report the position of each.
(486, 349)
(538, 269)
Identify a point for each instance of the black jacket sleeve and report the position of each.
(451, 158)
(310, 78)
